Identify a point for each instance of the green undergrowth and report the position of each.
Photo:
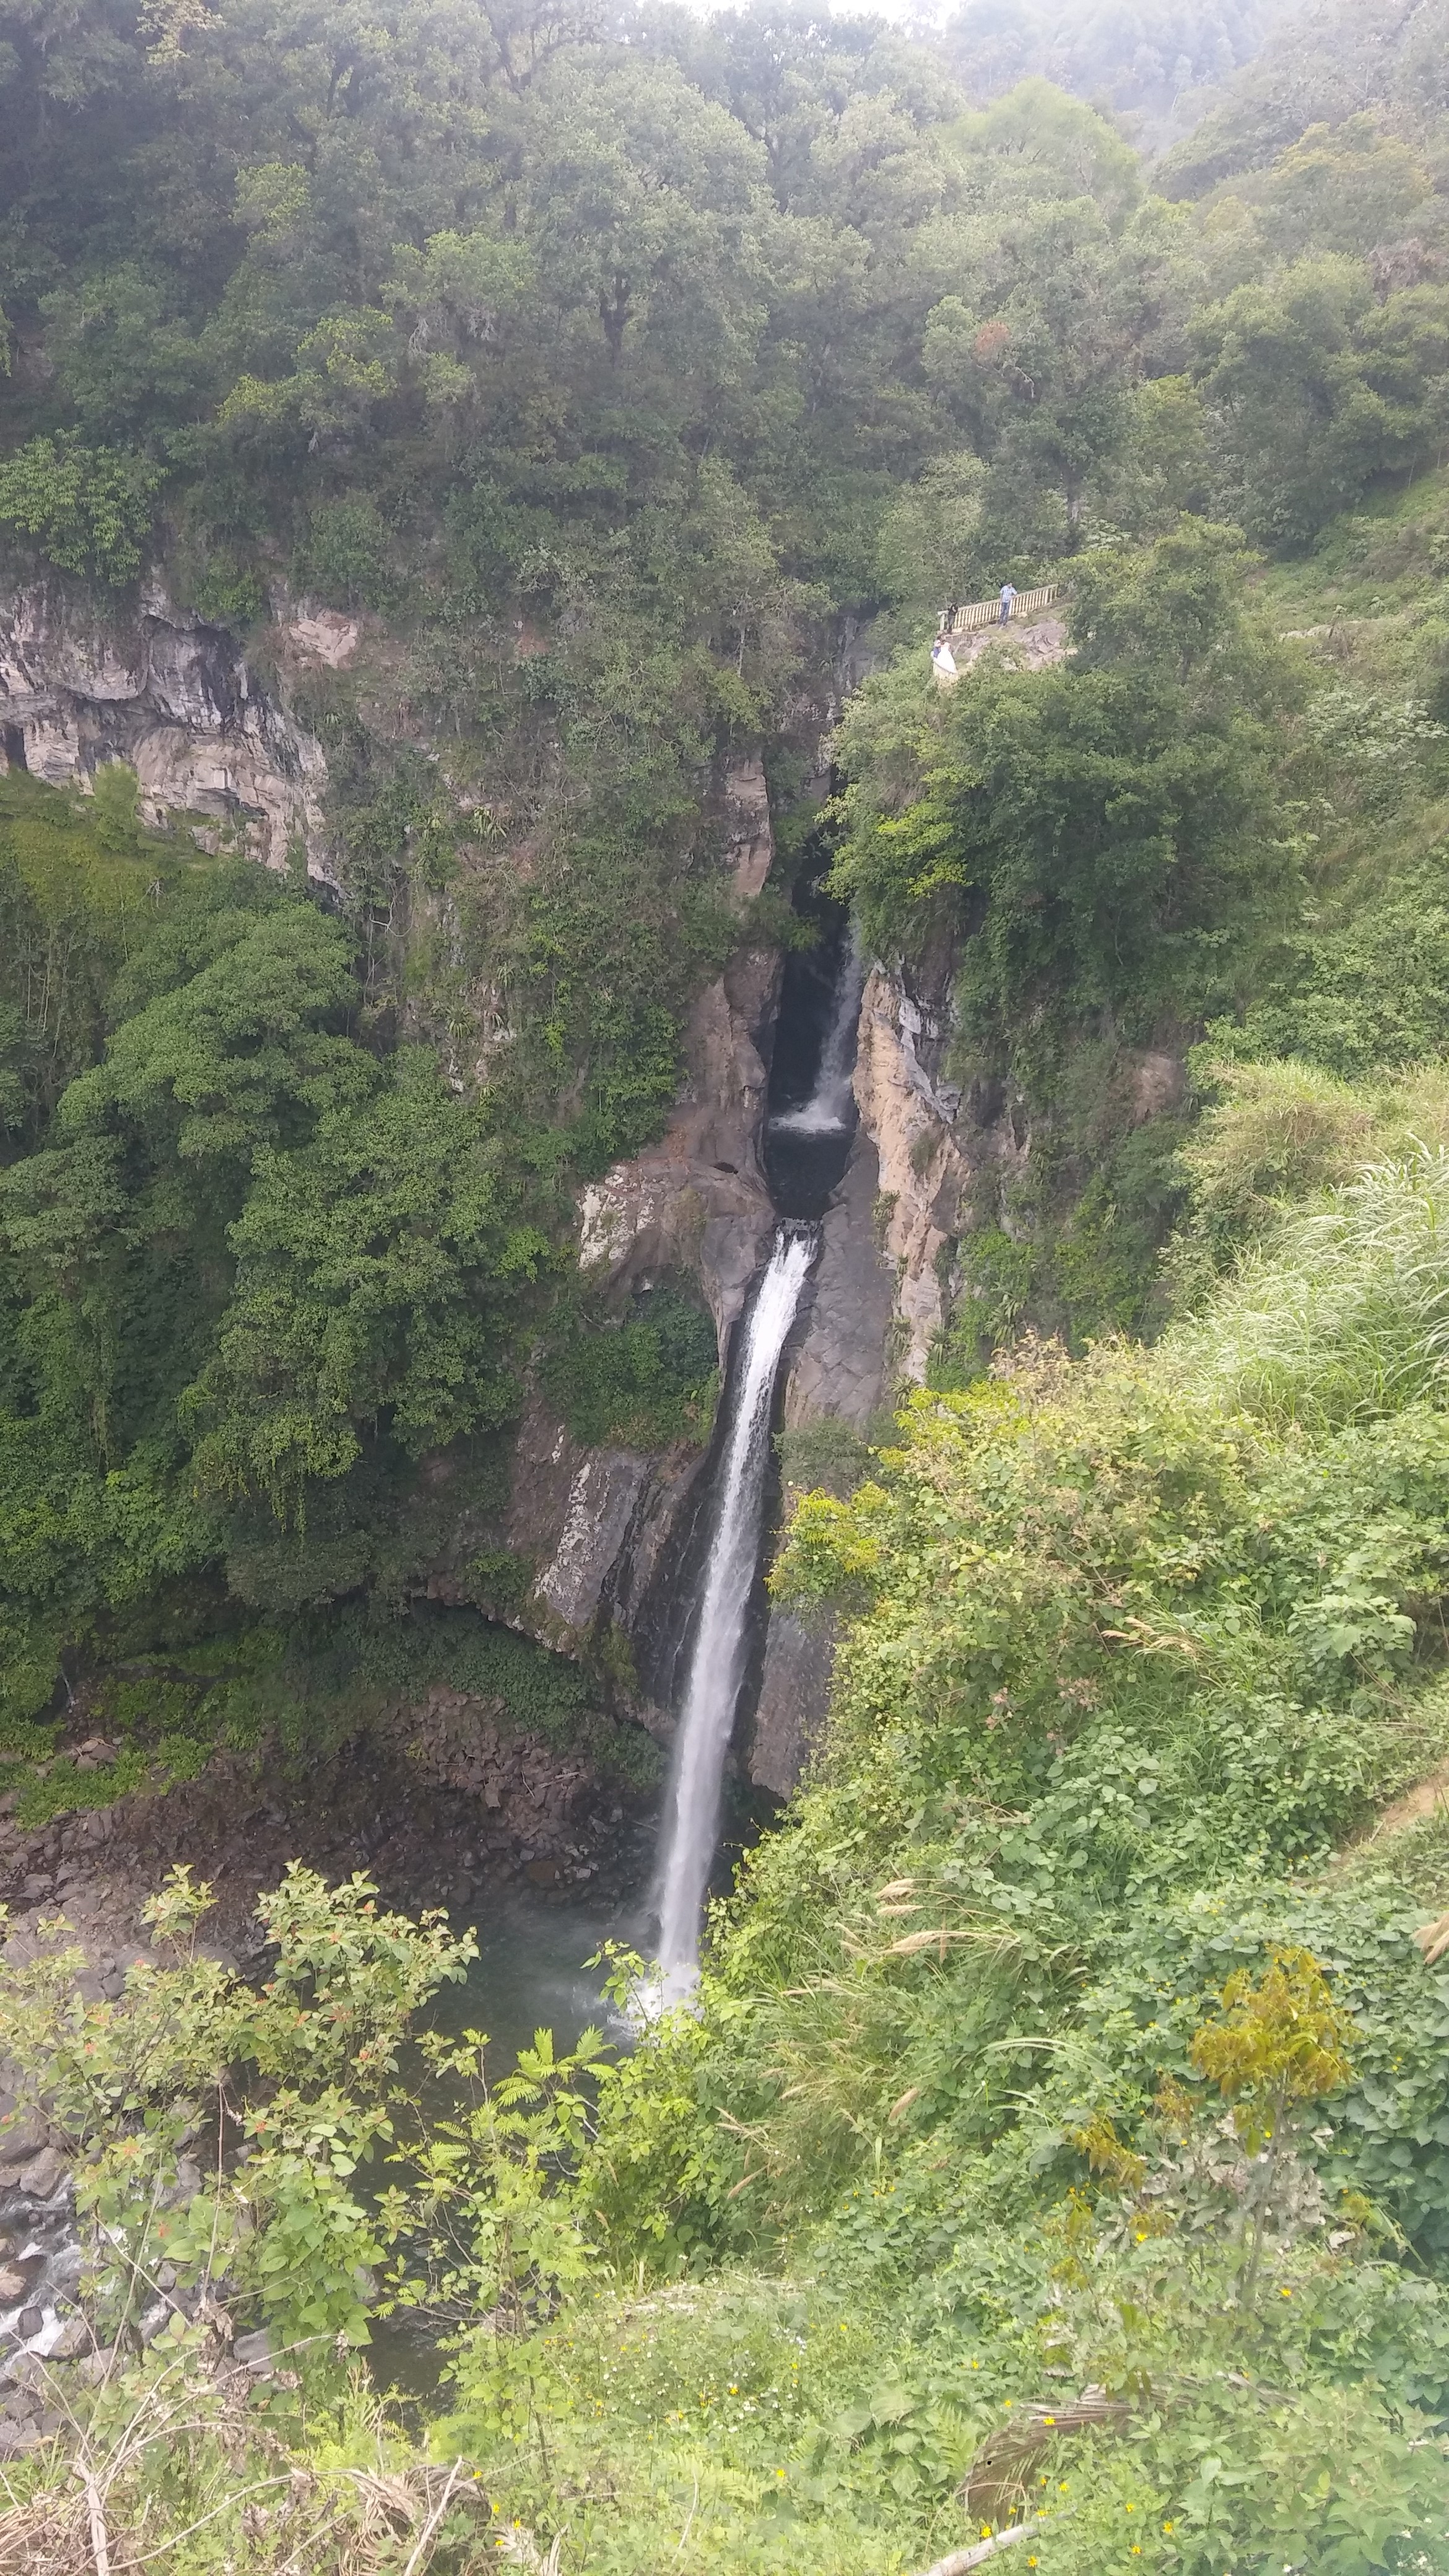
(646, 1381)
(1072, 2043)
(1134, 1644)
(1276, 735)
(1359, 985)
(298, 1695)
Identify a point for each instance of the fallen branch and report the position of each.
(961, 2560)
(996, 2485)
(433, 2520)
(100, 2542)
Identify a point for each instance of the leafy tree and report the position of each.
(89, 509)
(1095, 832)
(1277, 2045)
(1040, 365)
(1344, 190)
(1313, 74)
(127, 364)
(302, 2073)
(1139, 56)
(377, 1266)
(1313, 389)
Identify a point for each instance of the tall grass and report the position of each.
(1343, 1314)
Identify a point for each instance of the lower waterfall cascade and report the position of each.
(808, 1141)
(715, 1670)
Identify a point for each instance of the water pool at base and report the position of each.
(530, 1974)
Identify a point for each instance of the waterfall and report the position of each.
(717, 1656)
(828, 1108)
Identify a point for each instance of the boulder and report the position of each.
(22, 2136)
(44, 2174)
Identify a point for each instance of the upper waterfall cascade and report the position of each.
(718, 1653)
(831, 1102)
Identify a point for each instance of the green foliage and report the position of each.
(299, 2078)
(1359, 50)
(1137, 58)
(1096, 826)
(344, 557)
(827, 1453)
(1274, 1133)
(1121, 1659)
(646, 1382)
(483, 2219)
(614, 367)
(89, 509)
(1276, 2046)
(360, 1293)
(1341, 1318)
(81, 893)
(1315, 388)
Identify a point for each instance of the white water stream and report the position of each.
(717, 1657)
(828, 1108)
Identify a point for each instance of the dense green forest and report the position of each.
(1061, 2133)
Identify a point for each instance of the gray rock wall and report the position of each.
(174, 697)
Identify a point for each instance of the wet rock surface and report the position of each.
(928, 1152)
(794, 1698)
(40, 2265)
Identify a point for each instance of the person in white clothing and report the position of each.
(1008, 600)
(943, 660)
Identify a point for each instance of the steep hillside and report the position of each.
(477, 493)
(1322, 65)
(1153, 62)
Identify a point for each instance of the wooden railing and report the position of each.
(987, 612)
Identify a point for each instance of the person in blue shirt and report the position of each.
(1008, 600)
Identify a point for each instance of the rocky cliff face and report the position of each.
(211, 743)
(595, 1527)
(933, 1142)
(176, 699)
(838, 1369)
(697, 1200)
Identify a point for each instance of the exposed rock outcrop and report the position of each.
(175, 698)
(794, 1697)
(839, 1369)
(697, 1200)
(593, 1523)
(933, 1142)
(437, 1798)
(840, 1365)
(924, 1171)
(1021, 648)
(593, 1526)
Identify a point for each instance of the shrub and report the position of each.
(89, 509)
(646, 1382)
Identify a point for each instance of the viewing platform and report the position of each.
(987, 612)
(965, 634)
